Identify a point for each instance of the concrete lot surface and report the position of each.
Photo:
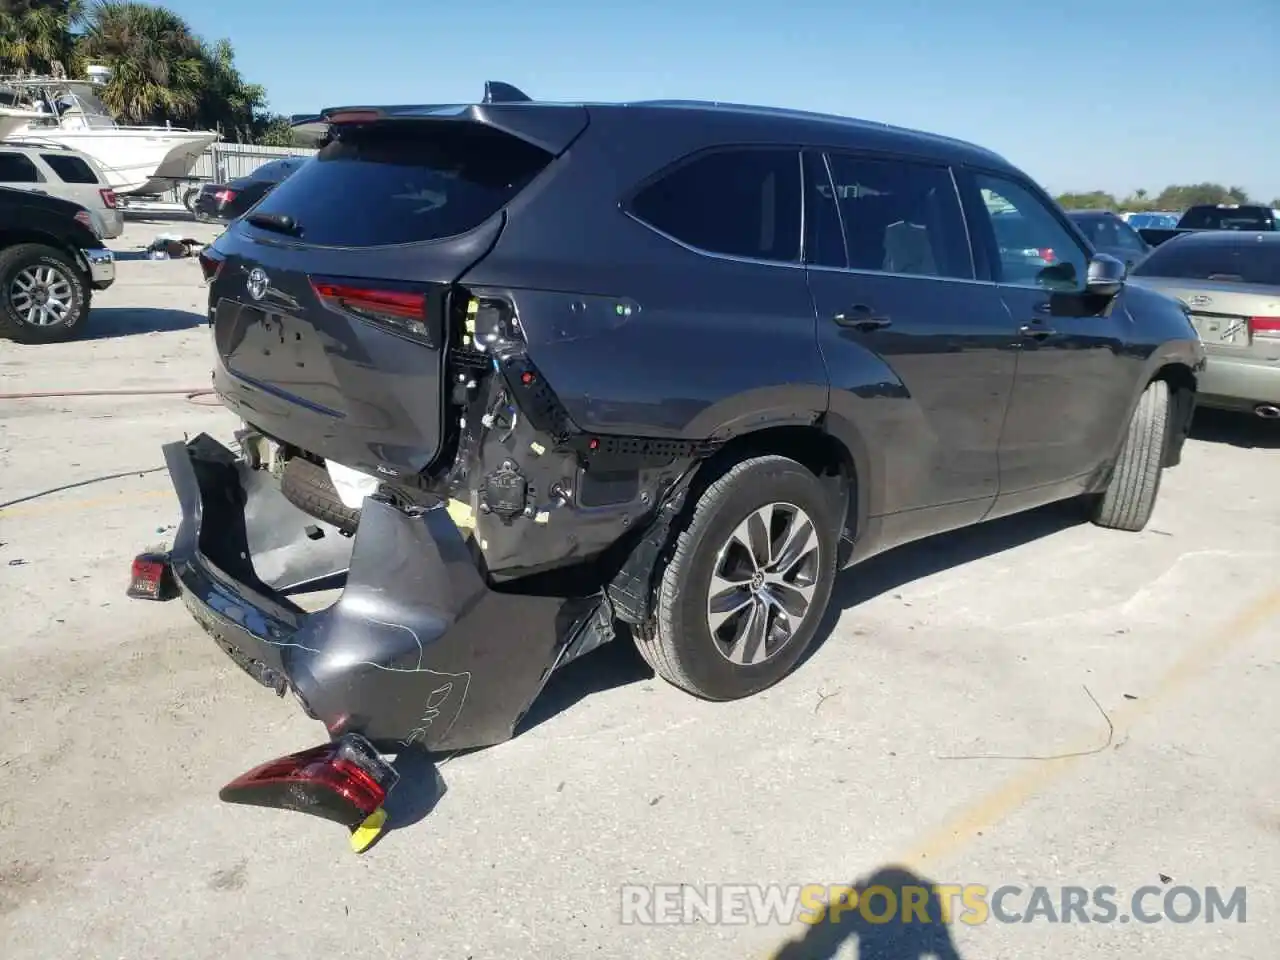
(1034, 702)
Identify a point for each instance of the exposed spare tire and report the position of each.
(307, 486)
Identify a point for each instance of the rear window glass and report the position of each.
(69, 169)
(404, 182)
(1249, 261)
(1237, 218)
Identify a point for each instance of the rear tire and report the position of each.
(1130, 497)
(307, 486)
(43, 295)
(776, 592)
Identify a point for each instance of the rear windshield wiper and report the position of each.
(278, 222)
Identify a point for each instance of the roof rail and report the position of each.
(495, 91)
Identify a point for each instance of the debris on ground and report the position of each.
(173, 246)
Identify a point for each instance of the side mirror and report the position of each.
(1106, 275)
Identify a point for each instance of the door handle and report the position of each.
(1036, 331)
(863, 318)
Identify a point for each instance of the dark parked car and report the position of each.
(1111, 235)
(51, 260)
(226, 201)
(1216, 216)
(569, 372)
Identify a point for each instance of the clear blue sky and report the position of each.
(1085, 94)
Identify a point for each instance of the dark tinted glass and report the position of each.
(1237, 218)
(17, 168)
(1246, 261)
(824, 243)
(744, 203)
(405, 183)
(900, 217)
(275, 171)
(1109, 233)
(70, 169)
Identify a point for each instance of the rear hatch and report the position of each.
(330, 300)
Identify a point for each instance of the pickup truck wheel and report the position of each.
(42, 294)
(747, 585)
(1130, 497)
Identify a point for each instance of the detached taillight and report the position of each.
(1266, 328)
(346, 781)
(108, 198)
(405, 309)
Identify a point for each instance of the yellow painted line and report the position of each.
(993, 807)
(54, 505)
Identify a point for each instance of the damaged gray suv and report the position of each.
(522, 378)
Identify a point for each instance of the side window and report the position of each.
(1033, 247)
(900, 217)
(18, 168)
(740, 202)
(823, 241)
(1128, 239)
(69, 168)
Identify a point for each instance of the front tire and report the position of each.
(747, 585)
(43, 298)
(1130, 497)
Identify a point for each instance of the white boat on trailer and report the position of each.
(136, 160)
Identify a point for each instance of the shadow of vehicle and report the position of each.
(1236, 429)
(107, 322)
(895, 915)
(618, 663)
(923, 558)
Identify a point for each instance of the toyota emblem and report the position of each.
(257, 283)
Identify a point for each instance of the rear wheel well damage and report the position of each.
(1182, 400)
(631, 590)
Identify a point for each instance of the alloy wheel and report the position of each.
(41, 296)
(762, 584)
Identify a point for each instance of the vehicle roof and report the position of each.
(767, 124)
(31, 198)
(1209, 237)
(1092, 214)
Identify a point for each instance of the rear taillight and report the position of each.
(1267, 328)
(108, 198)
(224, 196)
(151, 578)
(406, 309)
(210, 265)
(345, 781)
(1045, 254)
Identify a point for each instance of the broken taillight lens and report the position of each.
(210, 265)
(345, 781)
(151, 578)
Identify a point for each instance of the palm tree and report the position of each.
(227, 102)
(157, 63)
(36, 36)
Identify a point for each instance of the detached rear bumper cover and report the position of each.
(417, 650)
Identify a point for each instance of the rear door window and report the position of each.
(900, 216)
(742, 202)
(69, 168)
(1244, 262)
(18, 168)
(404, 182)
